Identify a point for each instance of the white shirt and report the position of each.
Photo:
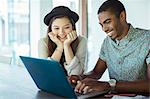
(77, 64)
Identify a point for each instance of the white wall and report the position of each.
(38, 9)
(45, 8)
(34, 25)
(138, 12)
(95, 34)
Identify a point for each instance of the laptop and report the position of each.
(50, 77)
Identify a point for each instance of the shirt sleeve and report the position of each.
(42, 48)
(148, 56)
(77, 64)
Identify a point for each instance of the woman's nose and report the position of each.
(61, 32)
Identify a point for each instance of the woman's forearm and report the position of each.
(57, 54)
(68, 54)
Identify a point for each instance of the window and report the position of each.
(14, 28)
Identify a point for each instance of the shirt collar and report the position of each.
(130, 35)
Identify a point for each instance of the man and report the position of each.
(125, 52)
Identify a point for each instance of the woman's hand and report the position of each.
(54, 38)
(70, 38)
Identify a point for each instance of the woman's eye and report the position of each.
(56, 28)
(67, 27)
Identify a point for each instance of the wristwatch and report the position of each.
(112, 83)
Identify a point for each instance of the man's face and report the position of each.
(110, 24)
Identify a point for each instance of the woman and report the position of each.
(62, 43)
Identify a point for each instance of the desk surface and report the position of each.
(16, 83)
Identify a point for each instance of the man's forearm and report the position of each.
(137, 87)
(91, 75)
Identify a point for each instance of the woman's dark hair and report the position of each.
(114, 6)
(52, 46)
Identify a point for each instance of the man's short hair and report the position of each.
(115, 6)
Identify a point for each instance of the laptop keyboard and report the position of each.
(78, 94)
(90, 94)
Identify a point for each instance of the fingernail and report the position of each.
(73, 81)
(75, 90)
(78, 81)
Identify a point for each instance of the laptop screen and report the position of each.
(49, 76)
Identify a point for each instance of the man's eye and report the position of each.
(108, 21)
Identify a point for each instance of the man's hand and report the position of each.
(70, 38)
(88, 84)
(73, 79)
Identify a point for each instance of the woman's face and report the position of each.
(61, 27)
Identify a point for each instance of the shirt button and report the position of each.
(119, 62)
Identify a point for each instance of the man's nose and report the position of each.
(105, 29)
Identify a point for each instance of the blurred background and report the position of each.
(21, 25)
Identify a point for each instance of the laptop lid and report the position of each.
(49, 76)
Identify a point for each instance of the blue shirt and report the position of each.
(128, 58)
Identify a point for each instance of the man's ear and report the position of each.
(122, 16)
